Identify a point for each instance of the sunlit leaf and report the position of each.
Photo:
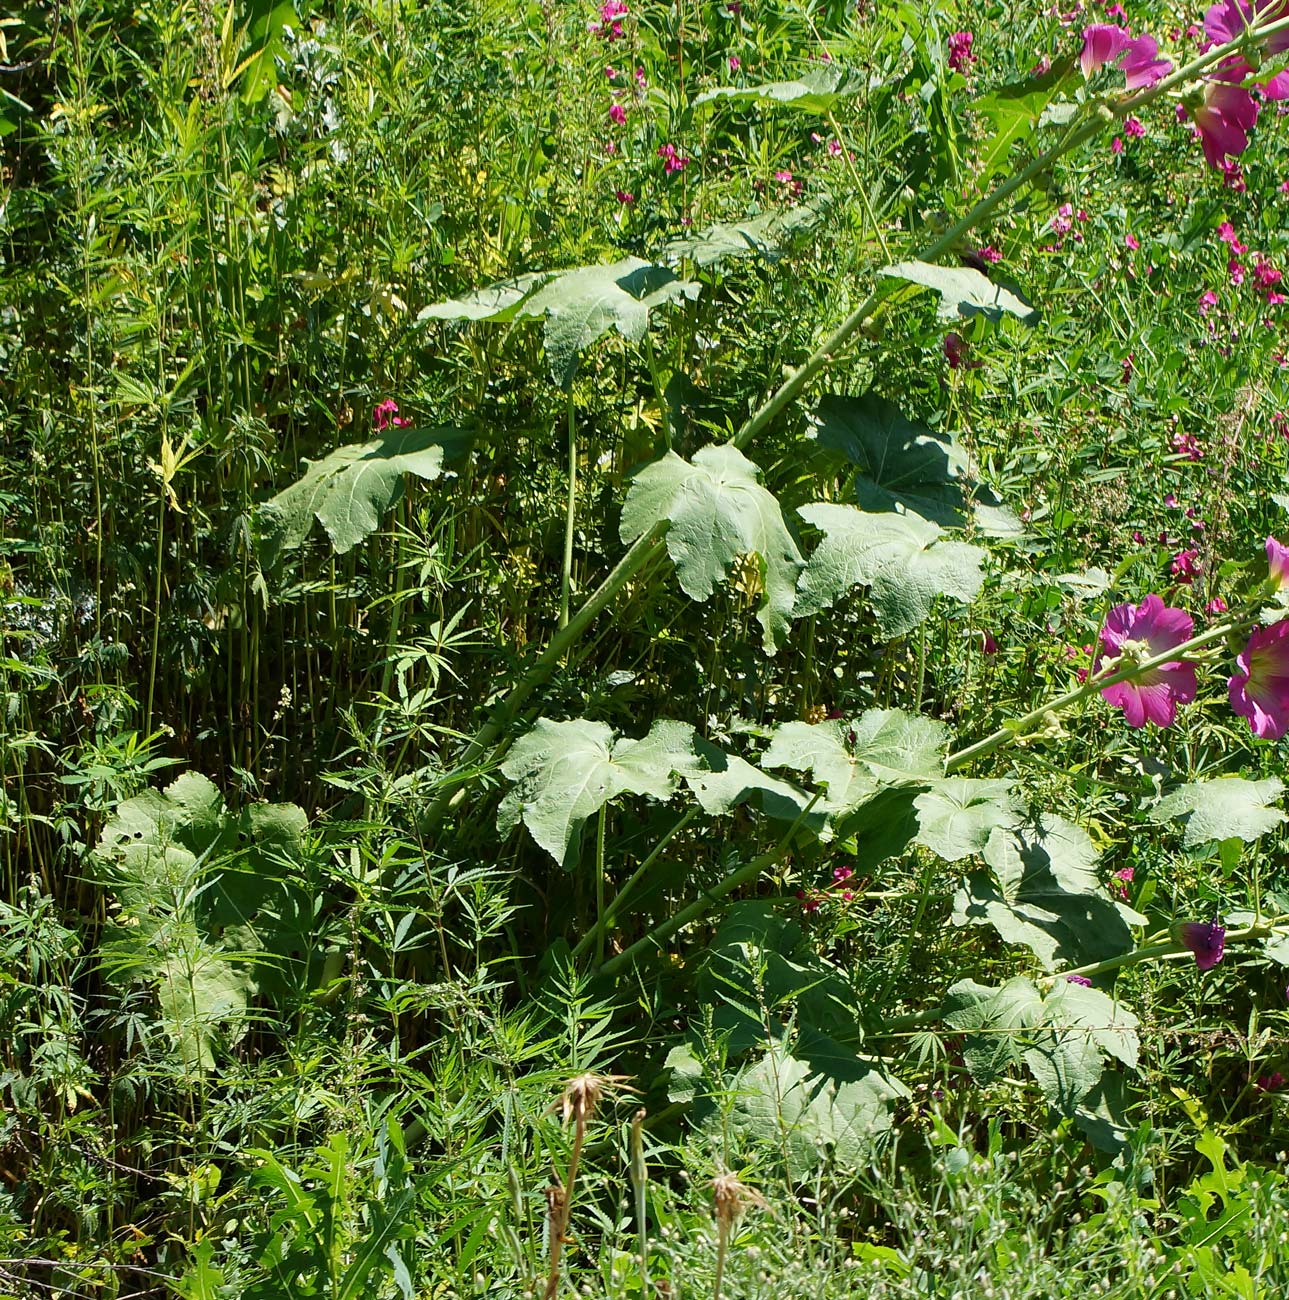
(904, 560)
(1228, 807)
(565, 772)
(964, 291)
(717, 511)
(957, 815)
(818, 90)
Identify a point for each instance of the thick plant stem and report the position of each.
(1017, 728)
(647, 548)
(570, 517)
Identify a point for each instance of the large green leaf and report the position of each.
(209, 906)
(1014, 112)
(818, 90)
(836, 1106)
(716, 511)
(724, 781)
(1063, 1039)
(902, 559)
(1229, 807)
(761, 236)
(564, 772)
(1044, 893)
(580, 305)
(903, 464)
(963, 291)
(957, 815)
(854, 761)
(266, 20)
(349, 490)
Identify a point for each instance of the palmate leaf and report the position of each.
(900, 558)
(957, 815)
(963, 291)
(565, 772)
(1063, 1039)
(1229, 807)
(349, 490)
(1014, 112)
(904, 465)
(716, 511)
(580, 305)
(210, 906)
(764, 235)
(818, 90)
(831, 1105)
(890, 748)
(1044, 893)
(724, 781)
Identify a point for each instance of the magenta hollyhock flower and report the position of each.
(1229, 19)
(1135, 634)
(1206, 939)
(1278, 563)
(1260, 690)
(1135, 56)
(1227, 114)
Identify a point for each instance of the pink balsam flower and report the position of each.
(1260, 690)
(1134, 634)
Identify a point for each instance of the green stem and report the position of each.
(745, 874)
(604, 922)
(1017, 728)
(156, 611)
(570, 517)
(599, 884)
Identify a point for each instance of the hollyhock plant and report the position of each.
(1134, 634)
(1260, 690)
(1227, 113)
(1206, 939)
(1135, 56)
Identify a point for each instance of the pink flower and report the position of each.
(673, 160)
(1278, 563)
(1265, 274)
(1116, 145)
(1227, 114)
(1132, 127)
(1187, 444)
(1260, 690)
(1226, 233)
(385, 414)
(1207, 301)
(735, 63)
(1228, 19)
(1120, 882)
(1185, 566)
(1215, 606)
(783, 177)
(1134, 635)
(960, 55)
(988, 253)
(1130, 241)
(1135, 56)
(1272, 1082)
(1081, 980)
(618, 115)
(624, 197)
(1206, 939)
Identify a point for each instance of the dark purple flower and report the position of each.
(1206, 939)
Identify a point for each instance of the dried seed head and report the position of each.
(582, 1095)
(732, 1198)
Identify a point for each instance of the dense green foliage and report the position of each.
(550, 556)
